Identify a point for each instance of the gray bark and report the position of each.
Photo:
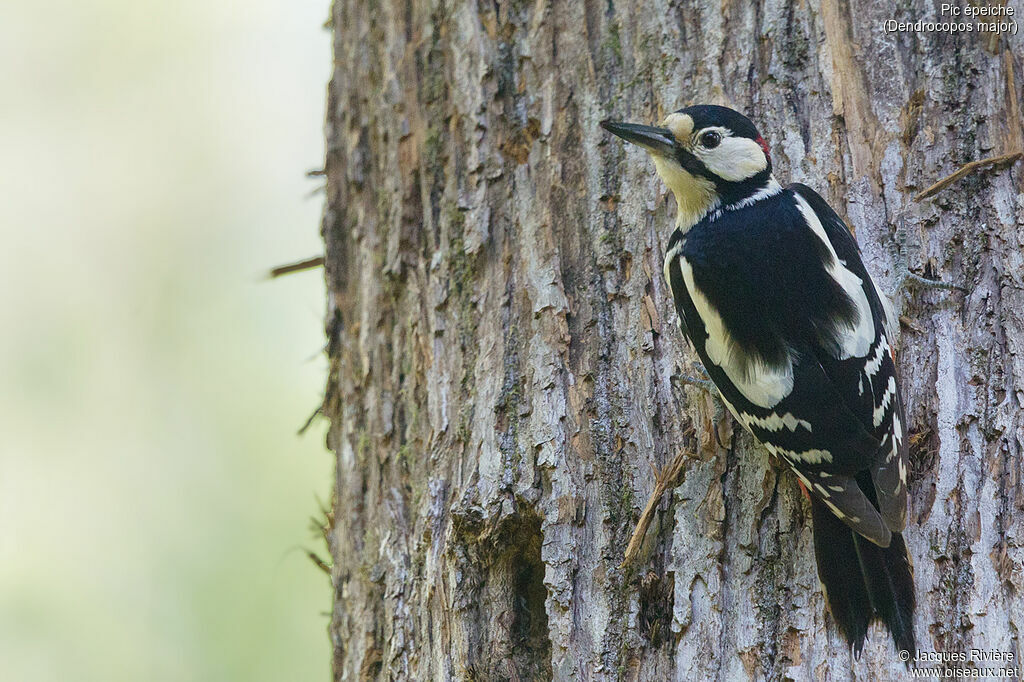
(506, 368)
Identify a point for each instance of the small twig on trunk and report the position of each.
(318, 562)
(910, 324)
(307, 264)
(667, 479)
(318, 412)
(966, 169)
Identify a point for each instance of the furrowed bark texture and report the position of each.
(505, 363)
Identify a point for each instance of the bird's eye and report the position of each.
(710, 139)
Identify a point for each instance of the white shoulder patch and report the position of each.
(856, 340)
(761, 385)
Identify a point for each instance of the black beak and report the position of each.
(658, 141)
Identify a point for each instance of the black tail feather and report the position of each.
(864, 581)
(890, 584)
(840, 575)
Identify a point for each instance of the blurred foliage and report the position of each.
(154, 495)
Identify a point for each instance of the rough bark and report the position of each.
(506, 369)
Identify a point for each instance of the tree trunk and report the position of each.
(506, 371)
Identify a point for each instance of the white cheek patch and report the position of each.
(762, 385)
(734, 159)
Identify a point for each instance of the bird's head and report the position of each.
(709, 156)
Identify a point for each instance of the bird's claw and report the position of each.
(913, 279)
(699, 383)
(704, 382)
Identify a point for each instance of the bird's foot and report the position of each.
(912, 279)
(704, 384)
(704, 381)
(909, 241)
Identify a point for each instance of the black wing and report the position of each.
(777, 333)
(870, 384)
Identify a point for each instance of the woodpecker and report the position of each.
(773, 296)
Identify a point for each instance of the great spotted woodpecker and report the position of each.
(771, 292)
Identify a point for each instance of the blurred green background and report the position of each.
(154, 495)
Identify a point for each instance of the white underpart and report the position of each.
(879, 414)
(762, 385)
(856, 340)
(734, 159)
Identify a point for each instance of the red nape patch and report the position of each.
(802, 486)
(764, 145)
